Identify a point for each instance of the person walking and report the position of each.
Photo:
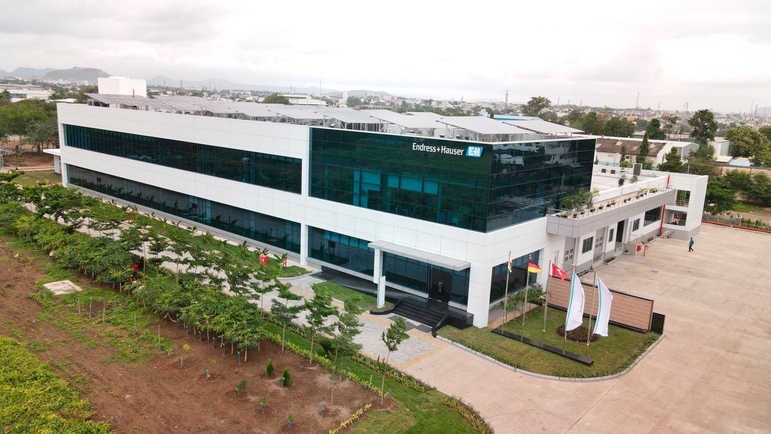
(690, 245)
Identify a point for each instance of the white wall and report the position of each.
(122, 86)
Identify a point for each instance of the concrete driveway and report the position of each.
(711, 374)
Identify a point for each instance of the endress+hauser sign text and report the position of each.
(471, 151)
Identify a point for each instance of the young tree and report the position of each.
(283, 312)
(319, 309)
(618, 127)
(43, 132)
(672, 162)
(704, 127)
(348, 327)
(766, 131)
(535, 105)
(702, 162)
(275, 98)
(746, 141)
(720, 196)
(575, 118)
(654, 130)
(264, 282)
(645, 148)
(760, 191)
(395, 335)
(590, 124)
(670, 124)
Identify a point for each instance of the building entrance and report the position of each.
(619, 235)
(440, 285)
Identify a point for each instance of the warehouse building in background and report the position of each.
(435, 204)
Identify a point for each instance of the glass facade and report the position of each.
(476, 186)
(420, 276)
(274, 231)
(272, 171)
(529, 179)
(341, 250)
(516, 278)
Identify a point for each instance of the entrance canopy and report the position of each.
(420, 255)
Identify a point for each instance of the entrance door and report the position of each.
(620, 232)
(441, 285)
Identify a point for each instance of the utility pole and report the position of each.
(637, 103)
(506, 101)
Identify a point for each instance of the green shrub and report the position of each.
(269, 368)
(286, 378)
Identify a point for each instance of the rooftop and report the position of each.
(612, 145)
(471, 128)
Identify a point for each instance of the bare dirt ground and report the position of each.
(156, 395)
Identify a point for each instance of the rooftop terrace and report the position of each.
(470, 128)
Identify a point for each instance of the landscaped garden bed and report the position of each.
(611, 354)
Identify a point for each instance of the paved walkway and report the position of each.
(711, 374)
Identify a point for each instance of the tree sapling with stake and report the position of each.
(241, 385)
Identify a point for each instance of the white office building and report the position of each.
(435, 204)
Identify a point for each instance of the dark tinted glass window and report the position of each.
(266, 170)
(274, 231)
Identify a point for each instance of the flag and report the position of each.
(558, 272)
(533, 267)
(508, 270)
(575, 314)
(603, 309)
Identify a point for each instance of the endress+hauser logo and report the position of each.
(474, 151)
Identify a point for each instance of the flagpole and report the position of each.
(506, 293)
(567, 315)
(589, 332)
(545, 303)
(524, 303)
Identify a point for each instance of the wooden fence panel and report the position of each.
(627, 310)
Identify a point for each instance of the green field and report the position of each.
(35, 400)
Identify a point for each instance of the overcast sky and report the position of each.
(711, 54)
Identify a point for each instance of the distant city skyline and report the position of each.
(707, 54)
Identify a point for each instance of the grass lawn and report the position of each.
(29, 179)
(343, 293)
(745, 207)
(611, 355)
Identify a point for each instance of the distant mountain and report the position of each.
(220, 84)
(27, 72)
(76, 74)
(3, 73)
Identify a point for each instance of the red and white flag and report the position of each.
(558, 272)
